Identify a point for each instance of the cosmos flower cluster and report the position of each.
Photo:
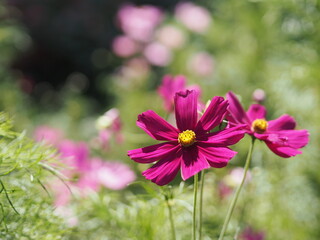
(196, 143)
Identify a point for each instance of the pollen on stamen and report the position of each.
(187, 138)
(259, 125)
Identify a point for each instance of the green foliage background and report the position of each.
(273, 45)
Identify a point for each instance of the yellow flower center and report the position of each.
(259, 125)
(187, 138)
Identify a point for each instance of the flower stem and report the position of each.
(235, 198)
(201, 202)
(195, 188)
(173, 232)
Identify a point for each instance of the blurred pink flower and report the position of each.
(87, 174)
(250, 234)
(113, 175)
(194, 17)
(170, 85)
(157, 54)
(202, 64)
(49, 135)
(232, 180)
(171, 36)
(134, 69)
(258, 95)
(139, 22)
(124, 46)
(109, 125)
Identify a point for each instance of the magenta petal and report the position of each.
(285, 143)
(285, 122)
(157, 127)
(165, 170)
(153, 153)
(223, 138)
(214, 114)
(286, 138)
(256, 111)
(236, 110)
(284, 152)
(186, 109)
(193, 162)
(217, 156)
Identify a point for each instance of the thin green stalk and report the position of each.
(194, 218)
(201, 204)
(235, 198)
(173, 232)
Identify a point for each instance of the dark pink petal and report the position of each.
(216, 156)
(213, 116)
(285, 143)
(284, 152)
(186, 103)
(285, 122)
(157, 127)
(153, 153)
(256, 111)
(223, 138)
(165, 170)
(236, 110)
(193, 162)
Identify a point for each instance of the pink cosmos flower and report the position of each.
(278, 134)
(189, 147)
(194, 17)
(157, 54)
(124, 46)
(48, 135)
(171, 36)
(139, 22)
(109, 125)
(170, 85)
(202, 64)
(88, 174)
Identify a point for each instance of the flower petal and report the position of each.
(193, 162)
(285, 143)
(256, 111)
(165, 170)
(170, 85)
(223, 138)
(157, 127)
(285, 122)
(213, 116)
(216, 156)
(236, 110)
(153, 153)
(186, 109)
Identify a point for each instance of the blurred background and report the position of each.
(64, 64)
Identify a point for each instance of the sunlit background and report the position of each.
(75, 74)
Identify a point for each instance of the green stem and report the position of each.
(235, 198)
(173, 232)
(201, 203)
(194, 225)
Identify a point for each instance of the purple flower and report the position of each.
(278, 134)
(189, 147)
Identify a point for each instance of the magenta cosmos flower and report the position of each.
(278, 134)
(189, 147)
